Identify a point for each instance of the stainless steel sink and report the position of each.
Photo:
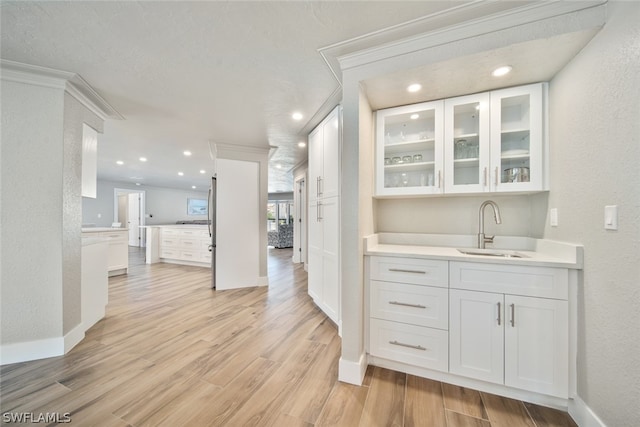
(492, 252)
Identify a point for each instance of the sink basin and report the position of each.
(493, 252)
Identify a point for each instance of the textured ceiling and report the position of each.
(186, 73)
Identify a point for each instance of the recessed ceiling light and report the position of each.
(186, 153)
(414, 116)
(193, 186)
(501, 71)
(137, 183)
(181, 173)
(297, 116)
(203, 171)
(414, 87)
(143, 159)
(302, 144)
(120, 162)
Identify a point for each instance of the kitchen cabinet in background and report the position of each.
(324, 215)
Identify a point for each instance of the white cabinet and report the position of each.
(517, 340)
(185, 245)
(408, 309)
(118, 251)
(324, 215)
(409, 150)
(89, 161)
(487, 142)
(473, 322)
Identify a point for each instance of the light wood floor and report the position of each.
(173, 352)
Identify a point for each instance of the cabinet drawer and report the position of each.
(169, 232)
(415, 345)
(168, 253)
(189, 243)
(414, 304)
(542, 282)
(186, 232)
(190, 256)
(115, 237)
(169, 242)
(410, 270)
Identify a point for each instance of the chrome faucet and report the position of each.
(482, 239)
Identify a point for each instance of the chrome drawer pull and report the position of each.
(407, 304)
(400, 270)
(416, 347)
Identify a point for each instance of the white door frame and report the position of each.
(122, 191)
(300, 226)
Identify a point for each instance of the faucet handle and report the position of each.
(489, 239)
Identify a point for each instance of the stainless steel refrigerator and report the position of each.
(211, 209)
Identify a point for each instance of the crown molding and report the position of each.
(72, 83)
(444, 27)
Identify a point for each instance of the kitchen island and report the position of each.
(186, 244)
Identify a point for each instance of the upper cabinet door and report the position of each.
(518, 139)
(409, 157)
(330, 180)
(466, 144)
(316, 163)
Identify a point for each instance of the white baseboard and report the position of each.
(31, 350)
(352, 372)
(40, 349)
(582, 414)
(73, 337)
(263, 281)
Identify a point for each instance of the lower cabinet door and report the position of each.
(476, 329)
(414, 345)
(537, 345)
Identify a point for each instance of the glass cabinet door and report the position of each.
(516, 139)
(409, 150)
(466, 144)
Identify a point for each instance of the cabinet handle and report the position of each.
(416, 347)
(321, 185)
(499, 314)
(496, 177)
(513, 315)
(406, 304)
(439, 179)
(484, 182)
(401, 270)
(319, 212)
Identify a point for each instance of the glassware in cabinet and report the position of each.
(409, 150)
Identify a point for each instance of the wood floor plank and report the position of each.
(424, 404)
(464, 400)
(456, 419)
(385, 403)
(344, 406)
(505, 412)
(549, 417)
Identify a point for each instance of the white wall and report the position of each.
(167, 205)
(595, 134)
(32, 185)
(41, 216)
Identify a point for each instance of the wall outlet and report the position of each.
(553, 217)
(99, 215)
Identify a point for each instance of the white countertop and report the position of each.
(537, 252)
(102, 229)
(203, 226)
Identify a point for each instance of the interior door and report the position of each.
(133, 213)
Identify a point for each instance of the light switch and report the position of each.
(611, 217)
(553, 217)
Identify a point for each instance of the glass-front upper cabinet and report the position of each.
(466, 144)
(517, 149)
(409, 150)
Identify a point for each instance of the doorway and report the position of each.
(129, 212)
(300, 225)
